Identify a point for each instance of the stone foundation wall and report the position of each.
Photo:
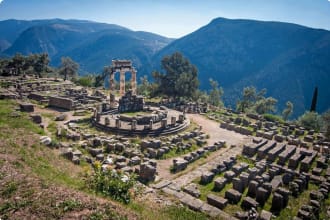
(61, 102)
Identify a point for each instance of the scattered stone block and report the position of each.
(277, 203)
(179, 164)
(207, 177)
(238, 185)
(217, 201)
(229, 175)
(265, 215)
(219, 183)
(262, 195)
(253, 185)
(26, 107)
(249, 203)
(233, 196)
(192, 189)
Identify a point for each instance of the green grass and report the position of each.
(295, 203)
(241, 158)
(175, 212)
(175, 152)
(133, 114)
(10, 119)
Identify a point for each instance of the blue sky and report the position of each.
(171, 18)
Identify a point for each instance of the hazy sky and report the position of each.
(171, 18)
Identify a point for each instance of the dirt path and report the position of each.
(216, 133)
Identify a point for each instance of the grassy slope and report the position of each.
(36, 183)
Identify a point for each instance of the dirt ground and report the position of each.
(215, 133)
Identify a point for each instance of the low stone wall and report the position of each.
(144, 119)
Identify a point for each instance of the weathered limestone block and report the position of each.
(265, 215)
(219, 183)
(26, 107)
(273, 153)
(277, 202)
(294, 161)
(36, 118)
(251, 149)
(192, 189)
(95, 151)
(207, 177)
(217, 201)
(307, 162)
(61, 102)
(244, 178)
(147, 171)
(229, 175)
(179, 164)
(285, 194)
(262, 152)
(253, 185)
(238, 185)
(286, 154)
(233, 196)
(249, 203)
(262, 195)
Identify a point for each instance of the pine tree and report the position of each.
(314, 100)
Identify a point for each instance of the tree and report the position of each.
(314, 100)
(41, 63)
(265, 105)
(87, 81)
(144, 88)
(68, 67)
(215, 94)
(248, 99)
(287, 111)
(180, 78)
(310, 120)
(17, 63)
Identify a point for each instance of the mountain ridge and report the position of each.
(239, 53)
(287, 59)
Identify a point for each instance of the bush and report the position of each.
(310, 120)
(273, 118)
(111, 183)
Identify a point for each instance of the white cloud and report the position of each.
(2, 1)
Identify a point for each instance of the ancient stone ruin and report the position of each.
(131, 103)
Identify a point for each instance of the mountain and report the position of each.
(93, 45)
(288, 60)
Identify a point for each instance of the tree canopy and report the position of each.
(215, 94)
(68, 67)
(180, 78)
(34, 64)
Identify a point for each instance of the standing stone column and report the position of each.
(112, 101)
(122, 82)
(98, 117)
(181, 118)
(151, 122)
(173, 120)
(112, 82)
(164, 123)
(133, 125)
(133, 81)
(118, 124)
(107, 121)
